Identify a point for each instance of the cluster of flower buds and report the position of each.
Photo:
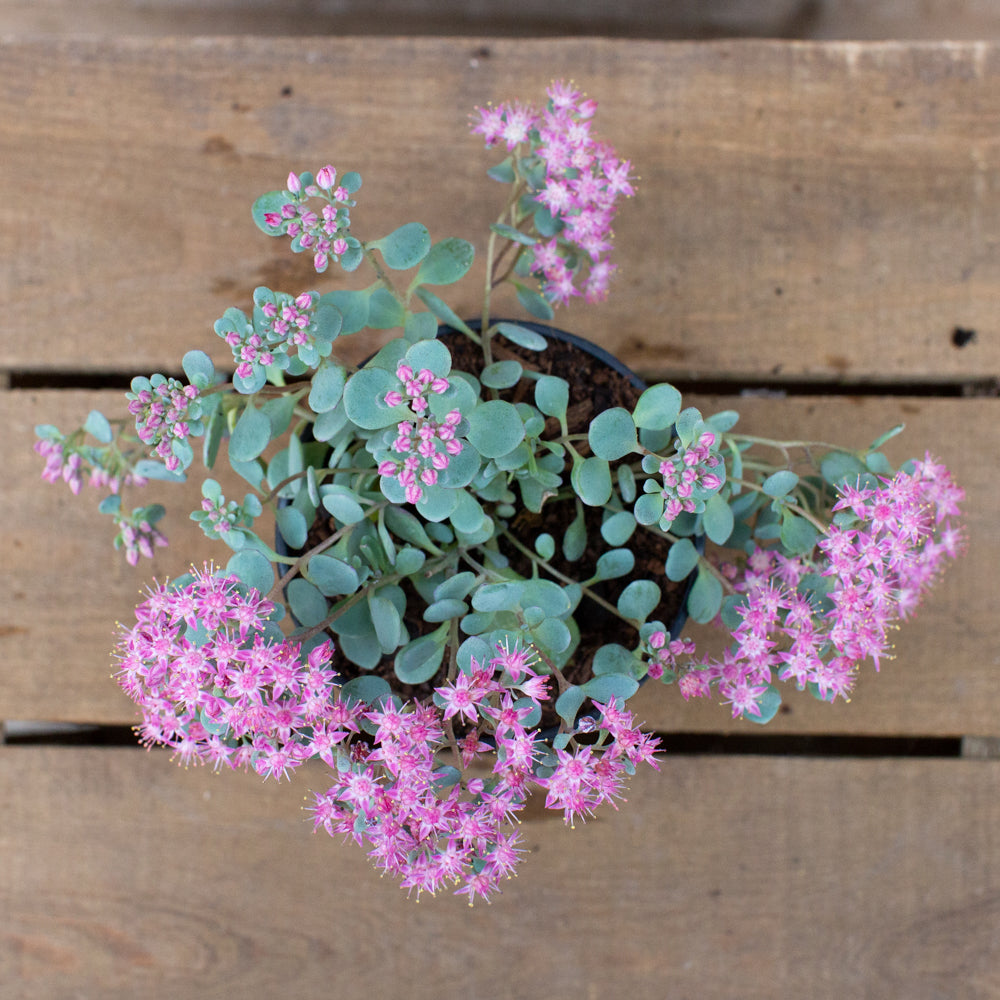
(101, 468)
(690, 477)
(164, 410)
(424, 447)
(220, 518)
(326, 235)
(138, 534)
(662, 653)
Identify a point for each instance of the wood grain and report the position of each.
(752, 877)
(806, 210)
(65, 587)
(687, 19)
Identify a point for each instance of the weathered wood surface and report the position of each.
(678, 19)
(126, 876)
(860, 180)
(65, 587)
(805, 210)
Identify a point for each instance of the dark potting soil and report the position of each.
(594, 387)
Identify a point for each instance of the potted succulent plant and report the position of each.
(487, 535)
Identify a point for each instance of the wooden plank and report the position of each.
(752, 877)
(633, 18)
(806, 210)
(691, 19)
(64, 587)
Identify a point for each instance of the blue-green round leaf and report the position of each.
(306, 602)
(495, 428)
(533, 616)
(546, 594)
(420, 326)
(615, 659)
(780, 483)
(199, 369)
(498, 596)
(648, 508)
(569, 703)
(591, 481)
(681, 559)
(552, 634)
(718, 519)
(418, 661)
(468, 513)
(250, 436)
(98, 426)
(839, 466)
(342, 504)
(523, 336)
(387, 622)
(437, 503)
(535, 303)
(615, 563)
(364, 398)
(501, 374)
(658, 407)
(292, 525)
(409, 561)
(385, 311)
(333, 576)
(545, 545)
(456, 587)
(612, 434)
(618, 528)
(607, 686)
(798, 536)
(446, 262)
(552, 396)
(575, 537)
(405, 247)
(639, 599)
(327, 386)
(705, 598)
(364, 650)
(432, 354)
(328, 322)
(369, 689)
(445, 609)
(352, 306)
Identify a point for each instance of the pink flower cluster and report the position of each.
(424, 447)
(689, 477)
(162, 416)
(879, 564)
(583, 179)
(63, 461)
(212, 686)
(216, 684)
(324, 235)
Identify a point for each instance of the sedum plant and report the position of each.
(407, 495)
